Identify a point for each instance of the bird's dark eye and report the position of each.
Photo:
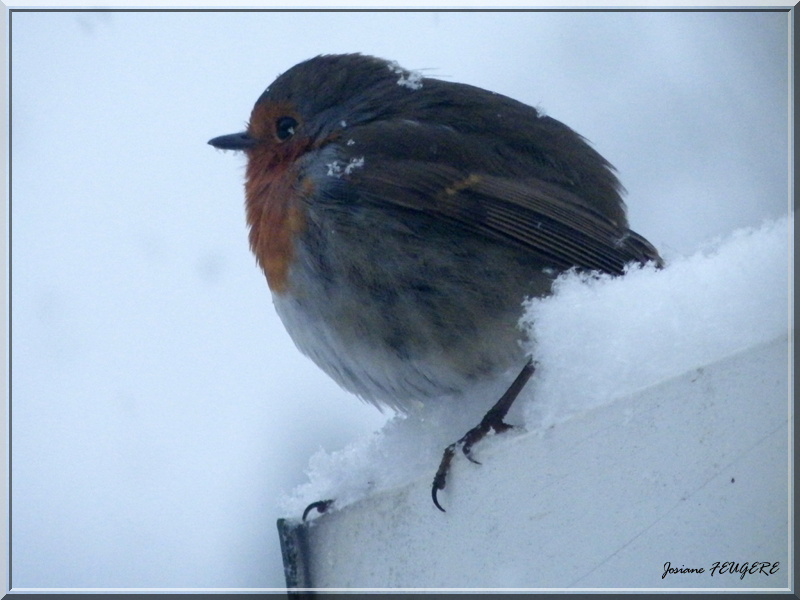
(284, 127)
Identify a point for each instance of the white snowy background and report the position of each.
(161, 416)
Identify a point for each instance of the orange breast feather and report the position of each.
(274, 214)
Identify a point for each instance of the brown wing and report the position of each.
(538, 216)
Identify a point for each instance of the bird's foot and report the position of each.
(321, 506)
(492, 420)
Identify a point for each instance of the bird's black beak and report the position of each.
(233, 141)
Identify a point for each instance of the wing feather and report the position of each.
(532, 214)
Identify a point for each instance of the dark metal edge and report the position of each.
(294, 550)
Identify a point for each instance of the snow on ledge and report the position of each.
(596, 340)
(692, 471)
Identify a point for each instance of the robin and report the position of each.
(401, 221)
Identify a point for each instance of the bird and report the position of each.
(401, 221)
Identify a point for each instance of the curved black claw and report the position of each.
(467, 449)
(440, 479)
(320, 505)
(491, 421)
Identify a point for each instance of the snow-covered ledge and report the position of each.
(657, 430)
(693, 471)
